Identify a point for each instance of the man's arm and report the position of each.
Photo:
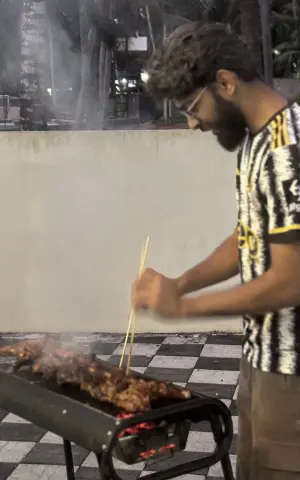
(278, 288)
(221, 265)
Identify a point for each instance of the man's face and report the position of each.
(208, 111)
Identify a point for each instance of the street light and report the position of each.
(145, 76)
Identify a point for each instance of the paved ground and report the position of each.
(208, 364)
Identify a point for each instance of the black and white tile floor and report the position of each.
(208, 364)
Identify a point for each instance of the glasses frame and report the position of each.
(189, 111)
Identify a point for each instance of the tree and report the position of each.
(105, 70)
(98, 36)
(265, 15)
(251, 28)
(10, 11)
(24, 64)
(85, 111)
(33, 94)
(225, 11)
(287, 48)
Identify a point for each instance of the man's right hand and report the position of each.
(154, 291)
(149, 288)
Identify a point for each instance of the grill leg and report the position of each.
(69, 460)
(227, 468)
(103, 473)
(225, 462)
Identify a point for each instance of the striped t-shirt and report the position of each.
(268, 198)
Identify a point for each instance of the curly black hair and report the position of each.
(191, 57)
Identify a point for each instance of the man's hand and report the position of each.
(154, 291)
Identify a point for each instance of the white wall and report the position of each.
(75, 209)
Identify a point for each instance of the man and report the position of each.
(210, 75)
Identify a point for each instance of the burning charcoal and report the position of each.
(136, 429)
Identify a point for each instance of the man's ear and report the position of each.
(226, 83)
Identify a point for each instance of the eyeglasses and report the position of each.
(189, 111)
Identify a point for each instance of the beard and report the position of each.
(230, 126)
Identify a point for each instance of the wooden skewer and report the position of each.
(132, 314)
(142, 266)
(131, 322)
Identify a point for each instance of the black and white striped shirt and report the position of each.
(268, 198)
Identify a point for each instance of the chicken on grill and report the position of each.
(28, 350)
(128, 392)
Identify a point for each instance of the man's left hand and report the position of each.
(153, 291)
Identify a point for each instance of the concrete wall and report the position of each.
(75, 209)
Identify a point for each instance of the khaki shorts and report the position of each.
(269, 425)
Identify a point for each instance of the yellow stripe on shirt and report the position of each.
(289, 228)
(280, 136)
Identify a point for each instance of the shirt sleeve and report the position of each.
(280, 185)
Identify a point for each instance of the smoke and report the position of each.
(64, 71)
(62, 53)
(10, 12)
(65, 55)
(42, 51)
(81, 343)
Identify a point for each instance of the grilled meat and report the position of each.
(28, 350)
(128, 392)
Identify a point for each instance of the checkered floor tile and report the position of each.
(206, 364)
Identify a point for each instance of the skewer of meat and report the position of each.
(127, 392)
(27, 351)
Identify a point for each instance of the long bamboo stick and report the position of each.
(131, 322)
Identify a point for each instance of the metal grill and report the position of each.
(109, 433)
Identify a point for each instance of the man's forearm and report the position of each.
(221, 265)
(265, 294)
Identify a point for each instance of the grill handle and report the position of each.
(198, 409)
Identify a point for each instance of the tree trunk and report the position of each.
(105, 65)
(251, 29)
(33, 95)
(52, 68)
(86, 100)
(150, 28)
(105, 60)
(166, 101)
(295, 13)
(265, 15)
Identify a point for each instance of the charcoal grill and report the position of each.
(104, 430)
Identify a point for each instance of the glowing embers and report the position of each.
(149, 440)
(136, 429)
